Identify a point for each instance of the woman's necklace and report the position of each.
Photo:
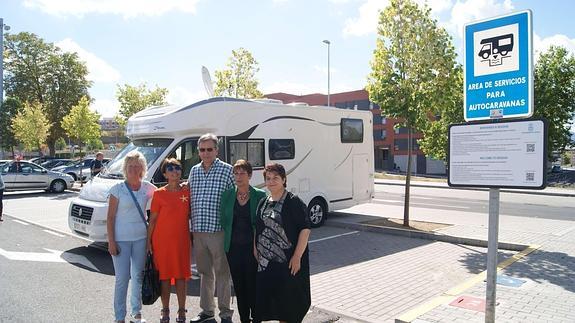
(243, 196)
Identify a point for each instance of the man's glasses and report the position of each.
(171, 168)
(206, 149)
(240, 173)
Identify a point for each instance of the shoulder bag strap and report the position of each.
(137, 204)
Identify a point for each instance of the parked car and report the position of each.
(80, 167)
(49, 164)
(556, 169)
(25, 175)
(41, 159)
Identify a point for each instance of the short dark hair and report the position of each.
(169, 161)
(278, 169)
(243, 164)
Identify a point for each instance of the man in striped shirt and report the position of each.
(207, 181)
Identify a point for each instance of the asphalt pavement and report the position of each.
(365, 273)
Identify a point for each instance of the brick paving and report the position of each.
(395, 274)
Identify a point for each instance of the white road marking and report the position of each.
(21, 222)
(54, 233)
(332, 237)
(50, 256)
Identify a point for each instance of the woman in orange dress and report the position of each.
(169, 237)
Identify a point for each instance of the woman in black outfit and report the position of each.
(282, 233)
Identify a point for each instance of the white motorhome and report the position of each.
(327, 152)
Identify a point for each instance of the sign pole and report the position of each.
(492, 246)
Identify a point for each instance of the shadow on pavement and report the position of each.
(356, 248)
(544, 267)
(53, 196)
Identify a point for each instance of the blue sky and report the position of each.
(166, 42)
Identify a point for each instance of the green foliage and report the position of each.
(8, 111)
(81, 123)
(415, 76)
(36, 71)
(94, 144)
(238, 80)
(555, 95)
(31, 126)
(60, 143)
(134, 99)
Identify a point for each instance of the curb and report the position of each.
(422, 235)
(534, 192)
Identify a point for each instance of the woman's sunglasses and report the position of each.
(171, 168)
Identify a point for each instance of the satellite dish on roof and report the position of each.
(207, 81)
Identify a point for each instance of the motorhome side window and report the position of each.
(281, 149)
(250, 150)
(351, 130)
(187, 153)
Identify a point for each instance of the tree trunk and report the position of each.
(407, 179)
(51, 147)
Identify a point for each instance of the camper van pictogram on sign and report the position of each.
(496, 47)
(495, 50)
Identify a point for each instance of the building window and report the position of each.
(383, 120)
(383, 134)
(351, 130)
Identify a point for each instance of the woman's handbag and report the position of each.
(151, 284)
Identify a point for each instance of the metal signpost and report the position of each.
(498, 84)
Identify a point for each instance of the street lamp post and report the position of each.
(327, 42)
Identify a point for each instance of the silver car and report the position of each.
(24, 175)
(80, 169)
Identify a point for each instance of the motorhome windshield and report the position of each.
(150, 148)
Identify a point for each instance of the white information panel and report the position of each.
(501, 154)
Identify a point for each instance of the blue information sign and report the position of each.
(498, 77)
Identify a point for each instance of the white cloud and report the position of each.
(181, 95)
(471, 10)
(368, 18)
(125, 8)
(367, 21)
(541, 45)
(105, 107)
(99, 70)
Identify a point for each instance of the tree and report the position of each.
(434, 142)
(134, 99)
(8, 111)
(555, 95)
(238, 80)
(414, 71)
(81, 123)
(31, 126)
(37, 71)
(94, 144)
(60, 143)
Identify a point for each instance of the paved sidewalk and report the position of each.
(407, 277)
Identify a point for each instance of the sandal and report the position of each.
(181, 315)
(165, 315)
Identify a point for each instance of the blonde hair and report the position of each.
(138, 157)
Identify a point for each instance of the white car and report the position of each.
(24, 175)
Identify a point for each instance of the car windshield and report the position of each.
(150, 148)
